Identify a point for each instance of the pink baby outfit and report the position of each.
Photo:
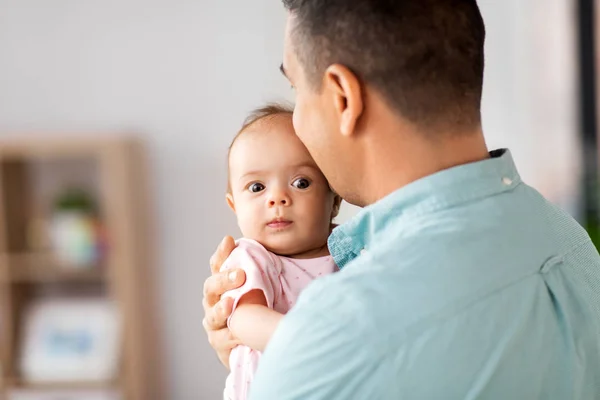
(281, 279)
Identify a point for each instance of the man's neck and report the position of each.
(396, 160)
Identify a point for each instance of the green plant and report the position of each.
(74, 199)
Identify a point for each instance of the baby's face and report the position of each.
(280, 197)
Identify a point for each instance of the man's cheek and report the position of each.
(301, 127)
(296, 118)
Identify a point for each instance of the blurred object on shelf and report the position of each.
(77, 235)
(67, 340)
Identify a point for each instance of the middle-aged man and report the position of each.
(457, 281)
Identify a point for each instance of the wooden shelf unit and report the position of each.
(40, 267)
(17, 383)
(125, 276)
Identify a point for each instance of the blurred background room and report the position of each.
(115, 118)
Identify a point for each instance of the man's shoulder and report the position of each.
(366, 299)
(441, 263)
(405, 279)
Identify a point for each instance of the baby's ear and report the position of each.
(337, 201)
(230, 202)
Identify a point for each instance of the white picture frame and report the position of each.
(70, 340)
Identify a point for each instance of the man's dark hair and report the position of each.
(424, 56)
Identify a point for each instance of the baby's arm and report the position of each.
(252, 322)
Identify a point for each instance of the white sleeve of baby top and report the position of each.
(262, 271)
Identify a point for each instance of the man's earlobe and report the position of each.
(230, 202)
(346, 91)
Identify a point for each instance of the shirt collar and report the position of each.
(441, 190)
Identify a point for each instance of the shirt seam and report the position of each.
(439, 317)
(406, 218)
(408, 335)
(576, 247)
(435, 205)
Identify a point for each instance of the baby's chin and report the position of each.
(285, 246)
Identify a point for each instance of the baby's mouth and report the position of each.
(279, 223)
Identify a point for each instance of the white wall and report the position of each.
(530, 92)
(183, 73)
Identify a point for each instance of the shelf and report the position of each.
(17, 383)
(34, 173)
(24, 268)
(17, 147)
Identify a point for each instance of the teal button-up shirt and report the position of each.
(466, 284)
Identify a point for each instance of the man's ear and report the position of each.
(337, 202)
(230, 202)
(345, 90)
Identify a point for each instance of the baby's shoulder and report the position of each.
(250, 246)
(248, 251)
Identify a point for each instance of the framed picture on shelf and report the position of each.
(70, 340)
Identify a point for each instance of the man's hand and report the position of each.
(216, 311)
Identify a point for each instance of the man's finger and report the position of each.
(222, 339)
(216, 317)
(223, 251)
(216, 285)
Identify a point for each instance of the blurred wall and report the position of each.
(530, 99)
(182, 73)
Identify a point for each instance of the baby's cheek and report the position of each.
(248, 224)
(319, 225)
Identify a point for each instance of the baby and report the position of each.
(284, 207)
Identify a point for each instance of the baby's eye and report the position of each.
(301, 183)
(256, 187)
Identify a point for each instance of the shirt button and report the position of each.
(507, 181)
(363, 251)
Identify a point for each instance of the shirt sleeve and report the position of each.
(320, 352)
(262, 273)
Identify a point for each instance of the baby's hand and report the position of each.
(216, 311)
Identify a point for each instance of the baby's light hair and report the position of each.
(266, 112)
